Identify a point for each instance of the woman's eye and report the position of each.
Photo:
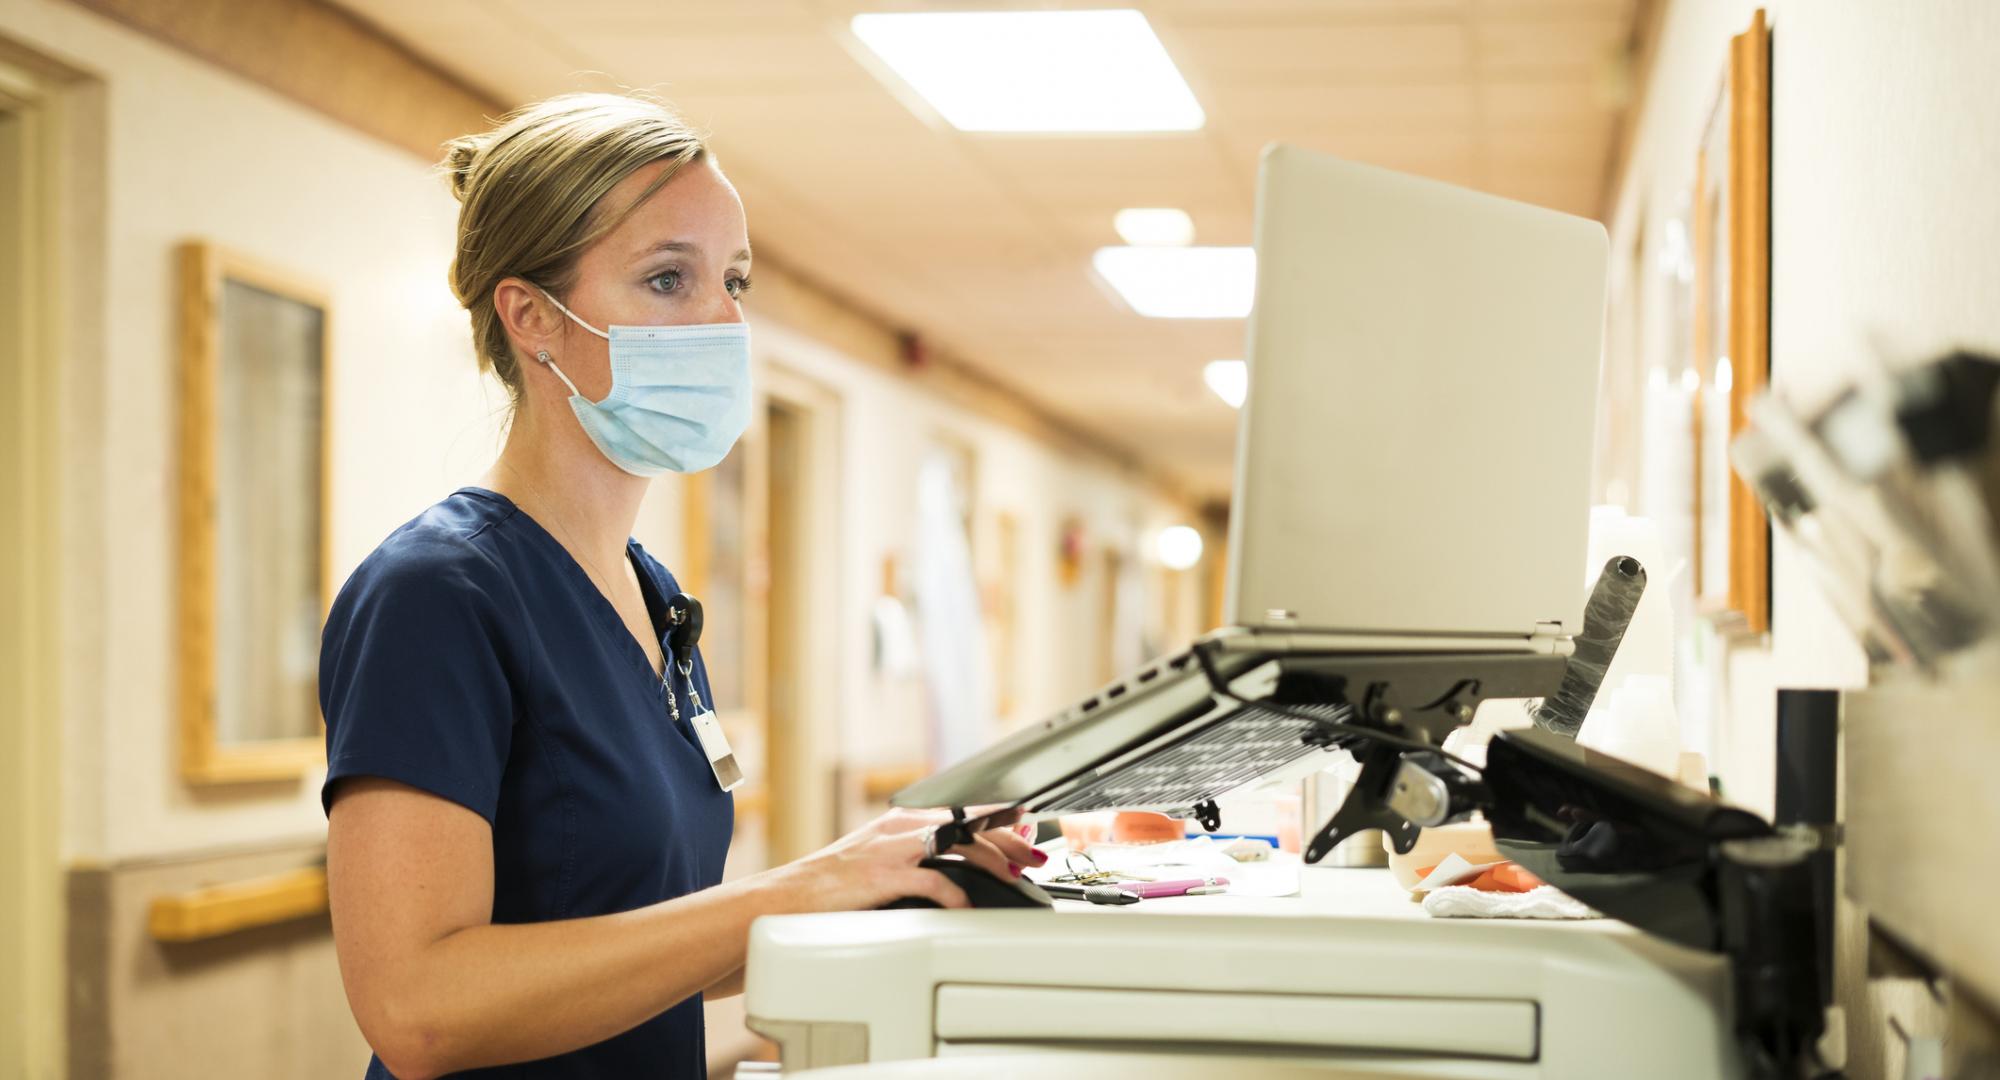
(665, 281)
(737, 286)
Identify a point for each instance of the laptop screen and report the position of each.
(1414, 454)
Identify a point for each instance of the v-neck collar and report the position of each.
(600, 604)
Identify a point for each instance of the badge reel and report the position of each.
(684, 613)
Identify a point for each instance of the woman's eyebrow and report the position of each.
(689, 247)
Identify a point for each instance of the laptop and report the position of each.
(1411, 511)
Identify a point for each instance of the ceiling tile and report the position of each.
(1114, 172)
(1446, 156)
(982, 243)
(1576, 48)
(1555, 102)
(1347, 106)
(745, 62)
(1318, 10)
(1252, 54)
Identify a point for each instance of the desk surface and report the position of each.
(1362, 892)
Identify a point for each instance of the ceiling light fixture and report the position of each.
(1181, 282)
(1154, 226)
(1179, 547)
(1069, 71)
(1230, 379)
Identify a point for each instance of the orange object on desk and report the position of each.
(1506, 877)
(1145, 827)
(1080, 831)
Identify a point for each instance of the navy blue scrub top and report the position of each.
(471, 657)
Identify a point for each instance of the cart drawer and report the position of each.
(1466, 1027)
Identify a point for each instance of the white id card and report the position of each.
(721, 759)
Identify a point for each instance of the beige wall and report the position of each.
(194, 152)
(1883, 231)
(198, 153)
(1884, 227)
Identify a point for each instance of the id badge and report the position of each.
(721, 759)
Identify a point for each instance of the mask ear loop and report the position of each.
(542, 356)
(572, 314)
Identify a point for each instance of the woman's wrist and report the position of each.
(783, 890)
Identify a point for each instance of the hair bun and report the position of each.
(459, 155)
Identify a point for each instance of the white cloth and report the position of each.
(1466, 902)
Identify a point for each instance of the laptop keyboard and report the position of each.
(1242, 746)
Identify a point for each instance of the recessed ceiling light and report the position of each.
(1035, 70)
(1154, 226)
(1179, 547)
(1230, 379)
(1181, 282)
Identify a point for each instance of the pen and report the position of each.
(1096, 894)
(1177, 887)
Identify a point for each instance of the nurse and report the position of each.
(525, 835)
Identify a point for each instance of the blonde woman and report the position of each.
(526, 835)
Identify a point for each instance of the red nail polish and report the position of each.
(1041, 857)
(1013, 869)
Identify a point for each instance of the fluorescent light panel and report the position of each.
(1154, 226)
(1055, 71)
(1230, 379)
(1181, 282)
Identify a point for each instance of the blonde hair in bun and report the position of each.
(528, 193)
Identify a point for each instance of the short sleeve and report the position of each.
(414, 675)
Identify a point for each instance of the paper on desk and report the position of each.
(1454, 869)
(1194, 857)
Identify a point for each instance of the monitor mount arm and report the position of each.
(1641, 848)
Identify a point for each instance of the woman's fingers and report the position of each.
(1000, 814)
(984, 855)
(933, 886)
(1012, 846)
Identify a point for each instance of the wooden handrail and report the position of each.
(883, 781)
(240, 905)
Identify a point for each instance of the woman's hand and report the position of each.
(877, 863)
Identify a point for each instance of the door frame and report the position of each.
(802, 672)
(54, 117)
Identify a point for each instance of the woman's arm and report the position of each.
(436, 987)
(729, 986)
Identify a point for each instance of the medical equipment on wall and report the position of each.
(1892, 491)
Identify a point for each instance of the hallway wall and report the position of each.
(1883, 228)
(1883, 232)
(196, 152)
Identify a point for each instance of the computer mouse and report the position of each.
(982, 888)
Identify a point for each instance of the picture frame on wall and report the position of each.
(253, 578)
(1731, 211)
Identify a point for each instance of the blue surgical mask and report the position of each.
(680, 395)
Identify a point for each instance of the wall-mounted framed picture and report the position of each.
(1732, 332)
(253, 579)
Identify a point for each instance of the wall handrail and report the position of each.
(216, 910)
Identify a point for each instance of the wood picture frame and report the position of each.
(1732, 338)
(255, 366)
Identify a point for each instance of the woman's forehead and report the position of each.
(697, 212)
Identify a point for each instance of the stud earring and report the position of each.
(542, 356)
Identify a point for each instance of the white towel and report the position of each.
(1543, 902)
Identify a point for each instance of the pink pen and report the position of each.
(1179, 887)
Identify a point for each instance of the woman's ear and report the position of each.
(531, 320)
